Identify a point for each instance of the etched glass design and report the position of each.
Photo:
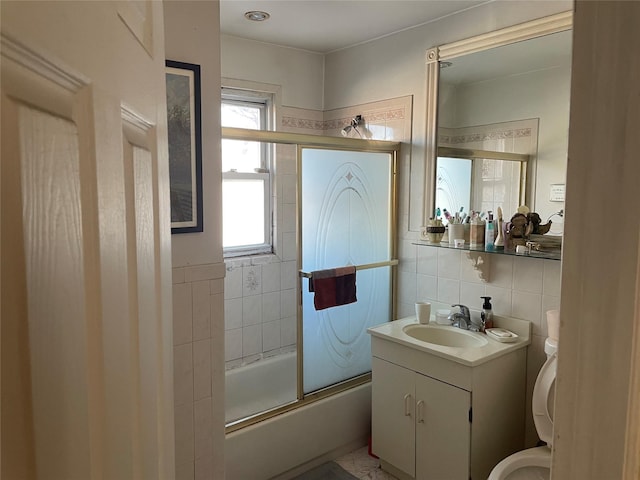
(346, 220)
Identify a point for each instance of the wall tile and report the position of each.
(289, 188)
(232, 344)
(251, 310)
(177, 275)
(288, 305)
(201, 310)
(551, 281)
(501, 271)
(203, 429)
(289, 246)
(468, 270)
(527, 306)
(407, 252)
(406, 287)
(216, 286)
(271, 277)
(470, 294)
(288, 218)
(448, 290)
(204, 272)
(289, 275)
(233, 313)
(270, 306)
(406, 309)
(427, 260)
(201, 369)
(426, 288)
(233, 283)
(527, 274)
(182, 313)
(216, 307)
(449, 263)
(183, 374)
(271, 335)
(251, 340)
(288, 328)
(500, 300)
(183, 424)
(251, 280)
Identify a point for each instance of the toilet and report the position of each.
(535, 463)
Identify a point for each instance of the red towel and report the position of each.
(333, 287)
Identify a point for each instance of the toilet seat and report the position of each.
(532, 457)
(545, 381)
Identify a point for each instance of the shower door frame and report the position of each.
(338, 143)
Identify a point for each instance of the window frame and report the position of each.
(265, 102)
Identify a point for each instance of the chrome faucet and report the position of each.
(461, 319)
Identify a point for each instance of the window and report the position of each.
(246, 178)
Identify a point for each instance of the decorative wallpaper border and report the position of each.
(339, 123)
(479, 137)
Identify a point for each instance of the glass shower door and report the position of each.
(346, 219)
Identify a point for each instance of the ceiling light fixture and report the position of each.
(257, 16)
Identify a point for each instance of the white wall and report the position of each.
(542, 94)
(395, 65)
(298, 72)
(192, 36)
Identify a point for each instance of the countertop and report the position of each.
(469, 356)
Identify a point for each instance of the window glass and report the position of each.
(246, 179)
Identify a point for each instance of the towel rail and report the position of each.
(364, 266)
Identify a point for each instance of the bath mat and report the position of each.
(327, 471)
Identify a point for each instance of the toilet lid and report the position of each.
(540, 404)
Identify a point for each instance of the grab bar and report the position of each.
(364, 266)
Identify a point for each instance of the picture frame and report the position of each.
(185, 145)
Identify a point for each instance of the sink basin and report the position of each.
(445, 336)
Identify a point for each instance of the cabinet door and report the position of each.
(393, 414)
(443, 430)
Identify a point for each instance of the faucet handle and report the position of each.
(464, 310)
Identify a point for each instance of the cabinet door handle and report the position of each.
(407, 405)
(419, 411)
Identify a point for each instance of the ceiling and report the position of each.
(326, 25)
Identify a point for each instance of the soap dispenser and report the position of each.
(487, 313)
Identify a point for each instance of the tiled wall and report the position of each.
(197, 309)
(519, 287)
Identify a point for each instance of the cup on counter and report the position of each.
(423, 312)
(456, 231)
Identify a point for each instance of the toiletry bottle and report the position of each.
(476, 234)
(489, 233)
(487, 313)
(499, 242)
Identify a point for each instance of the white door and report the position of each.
(86, 323)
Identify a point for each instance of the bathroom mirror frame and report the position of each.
(524, 31)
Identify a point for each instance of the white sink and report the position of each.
(445, 336)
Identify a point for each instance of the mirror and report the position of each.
(500, 118)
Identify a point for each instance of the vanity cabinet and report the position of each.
(438, 414)
(420, 425)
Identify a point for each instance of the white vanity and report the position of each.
(446, 403)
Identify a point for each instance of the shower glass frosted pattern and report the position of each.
(346, 220)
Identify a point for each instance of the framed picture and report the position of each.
(185, 146)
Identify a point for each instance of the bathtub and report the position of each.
(260, 386)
